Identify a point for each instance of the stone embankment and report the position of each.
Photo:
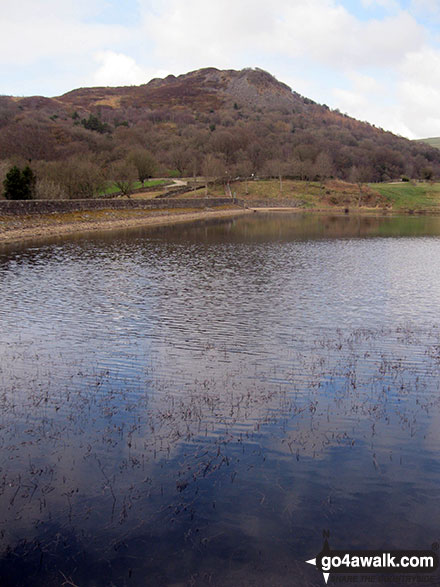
(26, 207)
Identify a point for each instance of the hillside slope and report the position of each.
(225, 122)
(433, 141)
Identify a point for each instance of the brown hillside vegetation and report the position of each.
(301, 194)
(207, 122)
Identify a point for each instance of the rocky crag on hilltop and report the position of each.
(234, 122)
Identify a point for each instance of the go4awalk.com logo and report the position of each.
(374, 561)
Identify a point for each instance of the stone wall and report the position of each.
(291, 203)
(178, 190)
(17, 207)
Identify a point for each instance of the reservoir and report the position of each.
(198, 404)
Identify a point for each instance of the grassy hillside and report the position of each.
(405, 195)
(433, 141)
(305, 194)
(111, 188)
(397, 197)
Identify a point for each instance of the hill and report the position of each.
(208, 122)
(433, 141)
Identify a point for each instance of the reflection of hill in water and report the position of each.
(266, 226)
(316, 226)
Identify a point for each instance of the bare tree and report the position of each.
(360, 176)
(323, 167)
(124, 175)
(300, 169)
(244, 171)
(257, 155)
(276, 168)
(144, 163)
(180, 159)
(212, 168)
(227, 144)
(76, 178)
(48, 189)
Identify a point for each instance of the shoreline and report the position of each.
(21, 229)
(40, 228)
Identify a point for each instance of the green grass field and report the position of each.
(112, 188)
(405, 195)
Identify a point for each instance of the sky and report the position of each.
(376, 60)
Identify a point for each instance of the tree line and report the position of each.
(75, 150)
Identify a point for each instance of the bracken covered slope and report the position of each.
(246, 120)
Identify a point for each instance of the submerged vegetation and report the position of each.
(153, 429)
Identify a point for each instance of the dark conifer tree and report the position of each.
(19, 185)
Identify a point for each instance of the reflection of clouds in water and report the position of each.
(353, 390)
(341, 394)
(173, 382)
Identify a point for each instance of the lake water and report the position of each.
(195, 405)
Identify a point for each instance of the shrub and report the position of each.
(94, 123)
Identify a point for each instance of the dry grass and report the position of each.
(305, 194)
(112, 101)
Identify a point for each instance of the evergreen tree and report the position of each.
(94, 123)
(12, 184)
(29, 182)
(19, 185)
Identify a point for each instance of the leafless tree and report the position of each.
(212, 168)
(144, 163)
(124, 175)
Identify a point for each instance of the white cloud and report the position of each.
(364, 100)
(366, 83)
(321, 30)
(368, 107)
(432, 7)
(117, 69)
(408, 106)
(341, 41)
(423, 66)
(207, 33)
(30, 31)
(419, 91)
(387, 4)
(31, 10)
